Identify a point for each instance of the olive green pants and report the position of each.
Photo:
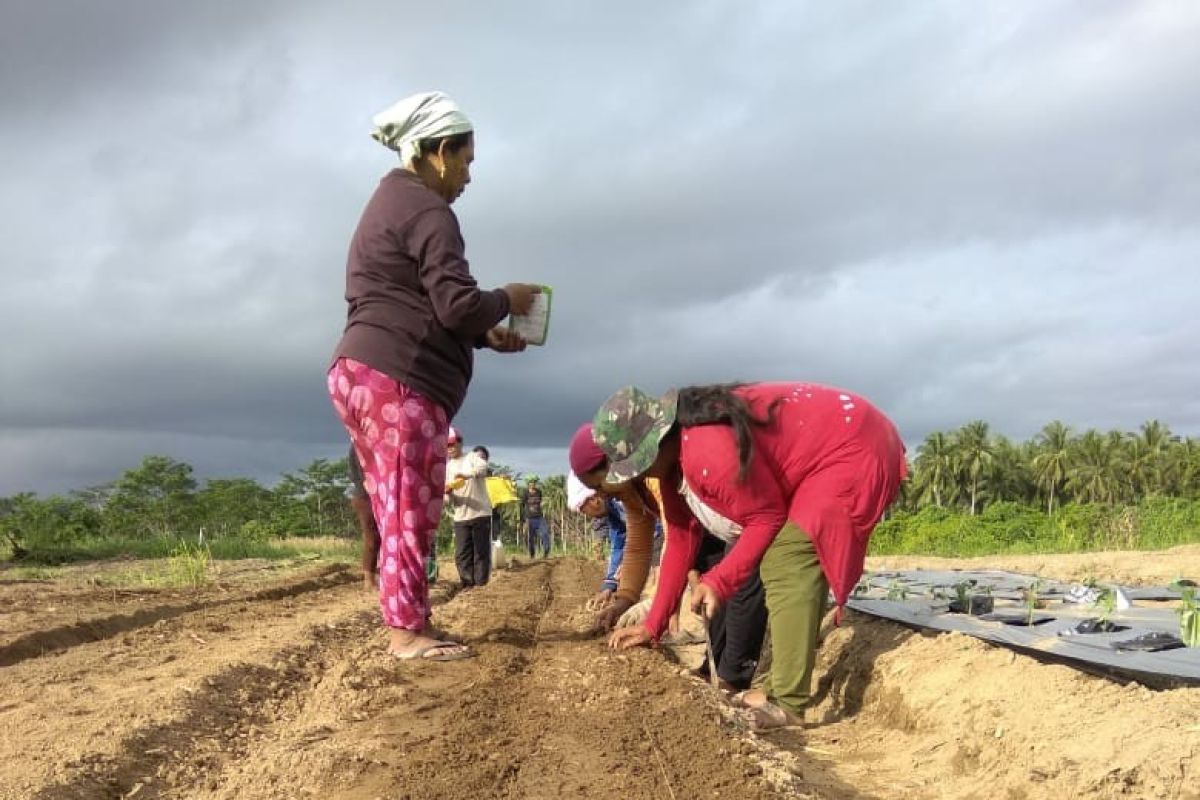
(796, 592)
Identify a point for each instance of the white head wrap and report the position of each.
(429, 115)
(577, 493)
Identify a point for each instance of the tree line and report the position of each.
(1078, 483)
(972, 493)
(969, 468)
(161, 498)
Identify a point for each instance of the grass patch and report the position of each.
(182, 564)
(188, 565)
(16, 574)
(328, 548)
(167, 547)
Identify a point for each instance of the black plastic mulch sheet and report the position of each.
(1145, 644)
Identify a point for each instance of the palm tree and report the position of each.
(975, 455)
(1095, 467)
(934, 469)
(1125, 489)
(1053, 460)
(1181, 469)
(907, 497)
(1010, 475)
(1147, 457)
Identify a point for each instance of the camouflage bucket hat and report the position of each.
(628, 428)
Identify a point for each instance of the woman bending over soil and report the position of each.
(795, 475)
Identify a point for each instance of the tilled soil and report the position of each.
(285, 691)
(282, 690)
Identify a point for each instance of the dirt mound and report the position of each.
(922, 715)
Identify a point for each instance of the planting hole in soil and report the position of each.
(1018, 620)
(1150, 643)
(976, 605)
(1094, 625)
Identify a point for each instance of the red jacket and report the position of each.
(829, 461)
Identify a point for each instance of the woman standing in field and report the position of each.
(401, 369)
(796, 475)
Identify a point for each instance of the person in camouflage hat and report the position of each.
(629, 427)
(633, 423)
(793, 475)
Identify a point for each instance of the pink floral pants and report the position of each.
(400, 439)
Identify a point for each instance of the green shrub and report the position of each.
(188, 565)
(255, 531)
(1005, 527)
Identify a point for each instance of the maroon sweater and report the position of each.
(415, 311)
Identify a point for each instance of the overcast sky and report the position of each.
(962, 210)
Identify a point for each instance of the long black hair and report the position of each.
(717, 404)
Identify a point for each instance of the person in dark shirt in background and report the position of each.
(537, 530)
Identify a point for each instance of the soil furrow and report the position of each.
(543, 711)
(64, 637)
(213, 724)
(87, 719)
(388, 724)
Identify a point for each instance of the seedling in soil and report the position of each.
(897, 591)
(1189, 617)
(969, 599)
(1033, 600)
(1105, 607)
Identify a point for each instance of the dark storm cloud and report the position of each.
(964, 212)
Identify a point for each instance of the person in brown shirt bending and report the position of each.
(401, 369)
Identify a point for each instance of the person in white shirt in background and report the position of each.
(471, 510)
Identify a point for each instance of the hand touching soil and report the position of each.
(626, 638)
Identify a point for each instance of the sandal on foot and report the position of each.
(456, 652)
(770, 717)
(443, 635)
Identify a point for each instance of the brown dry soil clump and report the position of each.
(281, 690)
